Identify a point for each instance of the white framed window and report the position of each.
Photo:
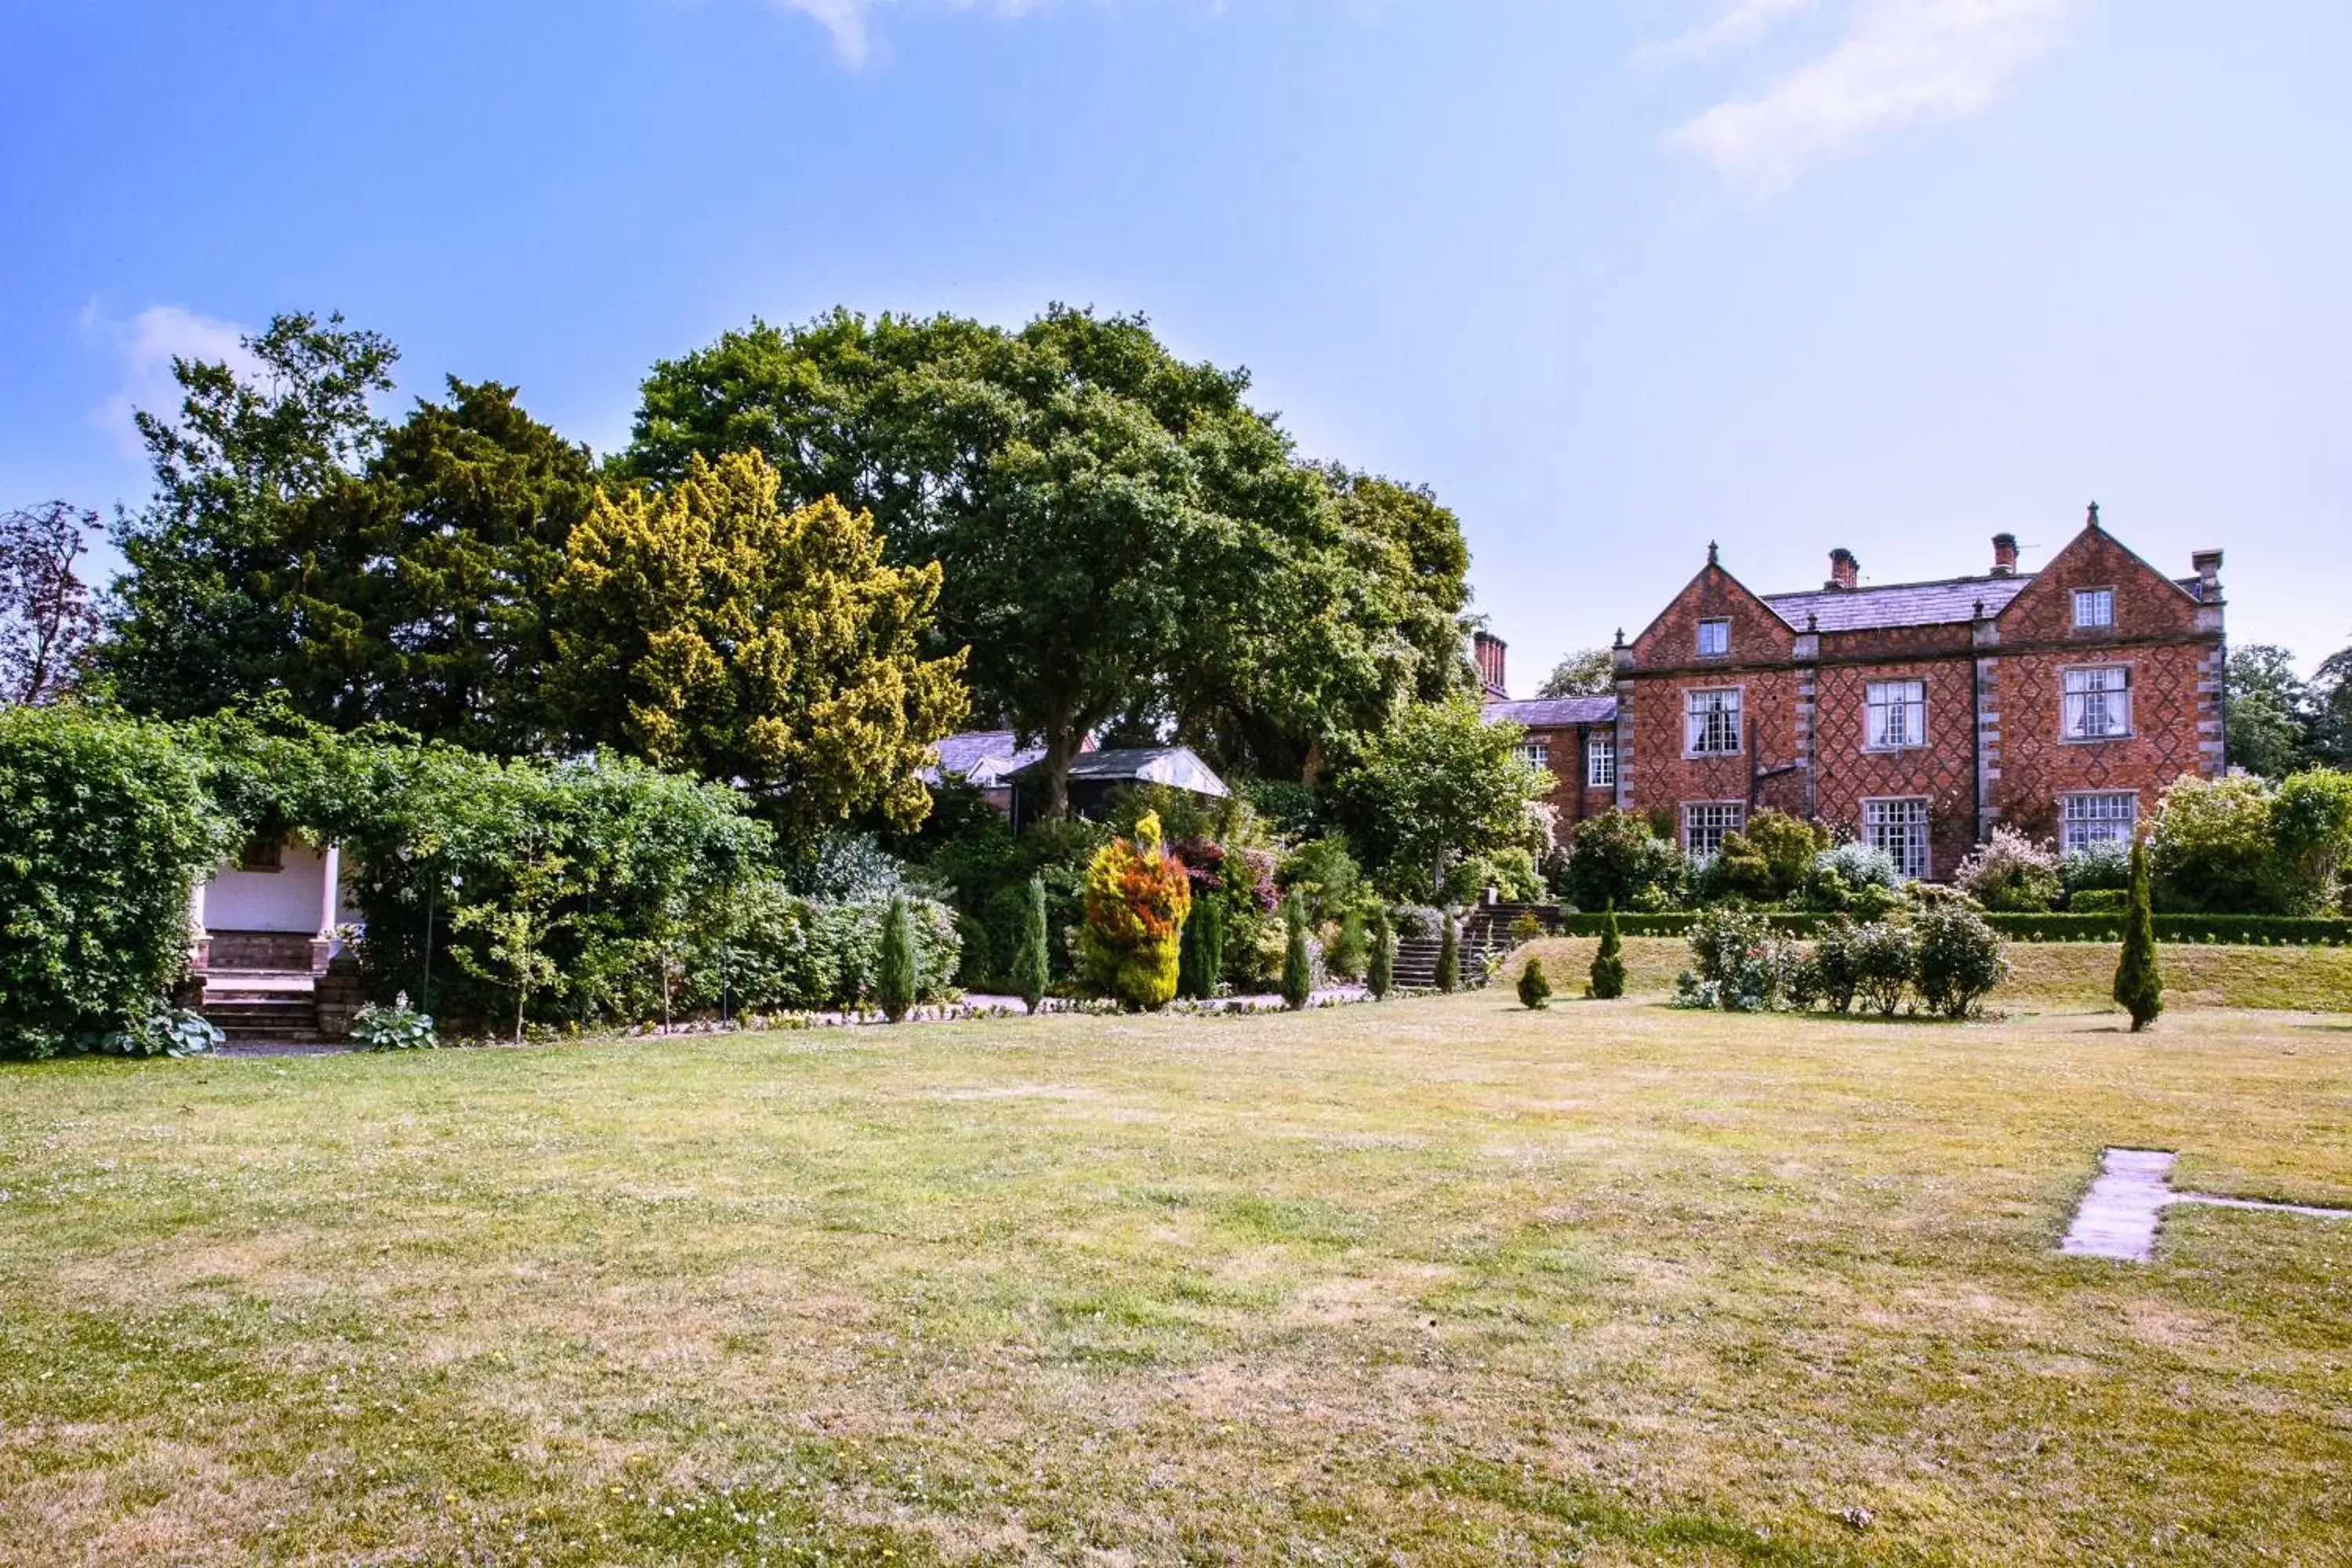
(1896, 716)
(1704, 824)
(2098, 705)
(1601, 761)
(1536, 752)
(1711, 723)
(1900, 829)
(1714, 638)
(2108, 817)
(2094, 608)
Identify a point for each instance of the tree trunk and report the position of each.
(1063, 738)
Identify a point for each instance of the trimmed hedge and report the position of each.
(2233, 930)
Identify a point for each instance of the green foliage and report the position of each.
(1201, 956)
(398, 1027)
(1324, 875)
(2273, 715)
(209, 612)
(1767, 861)
(895, 984)
(105, 828)
(2101, 867)
(1607, 979)
(2139, 981)
(1616, 862)
(1852, 877)
(1439, 785)
(780, 951)
(1123, 535)
(1351, 948)
(1743, 965)
(2244, 846)
(1298, 964)
(1449, 955)
(1885, 960)
(156, 1030)
(706, 629)
(1138, 897)
(1379, 970)
(2011, 873)
(2101, 900)
(1833, 972)
(1959, 961)
(1291, 809)
(1589, 672)
(1535, 991)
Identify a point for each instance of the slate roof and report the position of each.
(1950, 602)
(1554, 712)
(984, 758)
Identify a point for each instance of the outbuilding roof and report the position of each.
(1178, 767)
(1953, 600)
(983, 758)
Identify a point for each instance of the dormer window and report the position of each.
(2094, 609)
(1714, 638)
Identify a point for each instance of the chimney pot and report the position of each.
(2004, 556)
(1491, 654)
(1845, 571)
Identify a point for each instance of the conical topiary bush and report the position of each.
(1608, 980)
(2139, 984)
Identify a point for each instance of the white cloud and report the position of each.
(1741, 22)
(146, 344)
(1901, 62)
(852, 36)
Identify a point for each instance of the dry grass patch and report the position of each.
(1432, 1282)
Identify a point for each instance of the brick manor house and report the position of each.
(1913, 716)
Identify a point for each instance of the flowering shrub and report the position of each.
(1748, 967)
(1958, 962)
(2011, 872)
(2104, 866)
(1885, 958)
(1137, 896)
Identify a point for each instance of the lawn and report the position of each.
(1437, 1281)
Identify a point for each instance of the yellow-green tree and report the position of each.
(704, 629)
(1138, 897)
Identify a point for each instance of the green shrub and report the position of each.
(1768, 861)
(1449, 955)
(1324, 874)
(2103, 866)
(2099, 901)
(1351, 948)
(1615, 859)
(1298, 966)
(1380, 972)
(1138, 899)
(1959, 960)
(1535, 991)
(781, 953)
(1608, 977)
(105, 829)
(1885, 961)
(1201, 953)
(1030, 976)
(1847, 872)
(1740, 956)
(1833, 974)
(895, 967)
(398, 1027)
(2139, 985)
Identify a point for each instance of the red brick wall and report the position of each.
(1570, 795)
(1944, 771)
(2037, 764)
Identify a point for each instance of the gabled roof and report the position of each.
(1554, 712)
(1950, 602)
(983, 758)
(1178, 767)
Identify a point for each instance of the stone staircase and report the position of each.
(1485, 932)
(263, 1007)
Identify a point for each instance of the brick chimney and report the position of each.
(2004, 556)
(1845, 571)
(1489, 653)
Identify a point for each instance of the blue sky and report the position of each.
(1616, 277)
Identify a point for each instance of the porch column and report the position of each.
(331, 903)
(191, 992)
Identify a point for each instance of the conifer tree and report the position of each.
(2139, 985)
(1298, 970)
(1449, 956)
(1032, 973)
(1379, 972)
(1609, 964)
(896, 983)
(1535, 991)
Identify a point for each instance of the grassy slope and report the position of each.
(1437, 1282)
